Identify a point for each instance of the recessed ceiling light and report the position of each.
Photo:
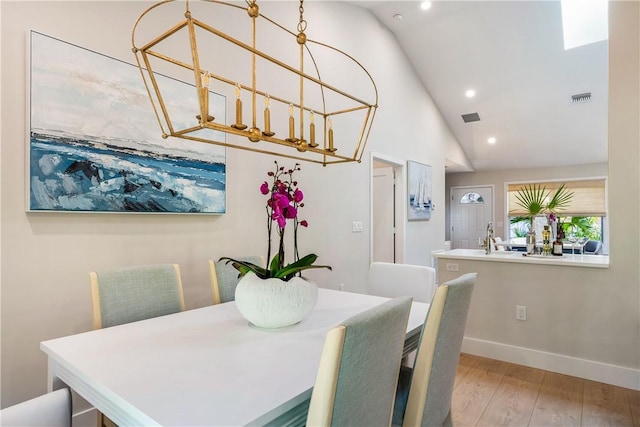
(470, 93)
(492, 140)
(397, 17)
(425, 5)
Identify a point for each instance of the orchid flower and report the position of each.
(283, 204)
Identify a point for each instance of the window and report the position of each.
(588, 197)
(472, 197)
(584, 216)
(584, 22)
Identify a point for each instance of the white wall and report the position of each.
(46, 256)
(576, 315)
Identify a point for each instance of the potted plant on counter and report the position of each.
(536, 200)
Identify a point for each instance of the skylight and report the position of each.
(584, 22)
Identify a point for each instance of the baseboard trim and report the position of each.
(576, 367)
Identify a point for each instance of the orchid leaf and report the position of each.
(244, 267)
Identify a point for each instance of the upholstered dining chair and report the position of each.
(498, 246)
(48, 410)
(129, 294)
(394, 280)
(358, 370)
(224, 278)
(424, 392)
(135, 293)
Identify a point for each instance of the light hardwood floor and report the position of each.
(494, 393)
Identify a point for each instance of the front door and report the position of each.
(471, 211)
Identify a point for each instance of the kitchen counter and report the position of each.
(578, 260)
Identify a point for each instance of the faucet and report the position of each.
(488, 241)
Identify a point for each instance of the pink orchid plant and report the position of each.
(283, 205)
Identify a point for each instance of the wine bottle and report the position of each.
(557, 244)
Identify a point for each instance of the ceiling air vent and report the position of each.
(471, 117)
(581, 98)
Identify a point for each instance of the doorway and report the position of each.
(387, 213)
(471, 211)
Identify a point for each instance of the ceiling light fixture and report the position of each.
(397, 17)
(301, 116)
(425, 5)
(492, 140)
(470, 93)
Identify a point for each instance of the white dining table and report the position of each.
(207, 366)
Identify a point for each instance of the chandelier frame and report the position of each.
(297, 145)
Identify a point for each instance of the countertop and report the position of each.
(578, 260)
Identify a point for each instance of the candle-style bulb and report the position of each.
(292, 137)
(312, 130)
(204, 91)
(331, 147)
(238, 124)
(267, 117)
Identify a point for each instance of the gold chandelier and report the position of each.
(291, 112)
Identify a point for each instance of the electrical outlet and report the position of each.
(452, 266)
(521, 312)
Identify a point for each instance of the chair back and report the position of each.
(224, 278)
(430, 387)
(394, 280)
(593, 247)
(49, 410)
(497, 244)
(135, 293)
(359, 367)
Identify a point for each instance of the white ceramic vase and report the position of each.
(274, 303)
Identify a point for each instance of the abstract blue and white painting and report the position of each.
(96, 146)
(419, 182)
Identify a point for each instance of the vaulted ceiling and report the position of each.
(512, 54)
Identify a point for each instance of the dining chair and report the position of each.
(394, 280)
(498, 246)
(51, 410)
(224, 278)
(129, 294)
(358, 371)
(424, 392)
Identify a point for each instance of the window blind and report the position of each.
(589, 197)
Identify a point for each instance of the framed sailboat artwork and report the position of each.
(419, 191)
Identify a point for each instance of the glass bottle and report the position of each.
(557, 244)
(546, 240)
(531, 238)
